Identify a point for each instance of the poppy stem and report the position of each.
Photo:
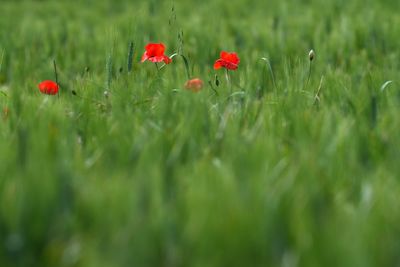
(157, 67)
(309, 74)
(55, 71)
(56, 74)
(228, 80)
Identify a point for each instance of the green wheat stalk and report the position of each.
(109, 71)
(130, 57)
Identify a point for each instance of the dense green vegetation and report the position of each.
(246, 173)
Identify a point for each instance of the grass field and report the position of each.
(127, 168)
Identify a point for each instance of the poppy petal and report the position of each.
(227, 60)
(167, 59)
(156, 59)
(224, 55)
(231, 66)
(144, 57)
(233, 57)
(155, 49)
(218, 64)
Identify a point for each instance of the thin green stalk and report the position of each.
(212, 88)
(309, 74)
(130, 57)
(1, 59)
(311, 56)
(157, 67)
(55, 71)
(56, 74)
(317, 98)
(271, 73)
(228, 80)
(109, 71)
(185, 61)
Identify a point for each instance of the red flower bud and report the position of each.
(194, 85)
(48, 87)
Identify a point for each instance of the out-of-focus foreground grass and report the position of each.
(242, 174)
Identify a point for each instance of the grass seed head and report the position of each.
(311, 55)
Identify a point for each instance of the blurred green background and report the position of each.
(247, 173)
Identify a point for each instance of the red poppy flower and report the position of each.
(194, 85)
(155, 53)
(48, 87)
(227, 60)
